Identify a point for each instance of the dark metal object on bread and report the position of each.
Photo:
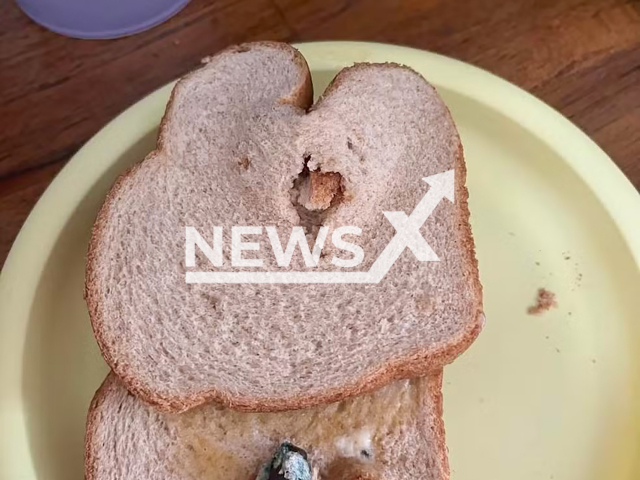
(288, 463)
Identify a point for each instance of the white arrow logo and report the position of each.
(407, 236)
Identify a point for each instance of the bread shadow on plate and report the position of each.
(62, 363)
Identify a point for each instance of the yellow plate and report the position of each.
(554, 396)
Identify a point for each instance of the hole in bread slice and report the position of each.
(315, 194)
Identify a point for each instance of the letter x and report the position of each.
(408, 235)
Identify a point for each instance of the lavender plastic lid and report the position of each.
(100, 18)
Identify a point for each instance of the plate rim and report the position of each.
(595, 168)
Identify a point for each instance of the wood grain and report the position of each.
(580, 56)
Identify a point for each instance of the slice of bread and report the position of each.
(239, 145)
(395, 433)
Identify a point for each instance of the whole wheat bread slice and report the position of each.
(395, 433)
(240, 145)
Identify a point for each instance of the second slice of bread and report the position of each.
(395, 433)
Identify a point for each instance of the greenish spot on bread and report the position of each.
(288, 463)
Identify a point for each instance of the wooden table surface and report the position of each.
(580, 56)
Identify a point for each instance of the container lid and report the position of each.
(100, 19)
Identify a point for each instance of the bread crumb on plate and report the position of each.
(544, 302)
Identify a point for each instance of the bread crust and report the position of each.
(92, 424)
(412, 365)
